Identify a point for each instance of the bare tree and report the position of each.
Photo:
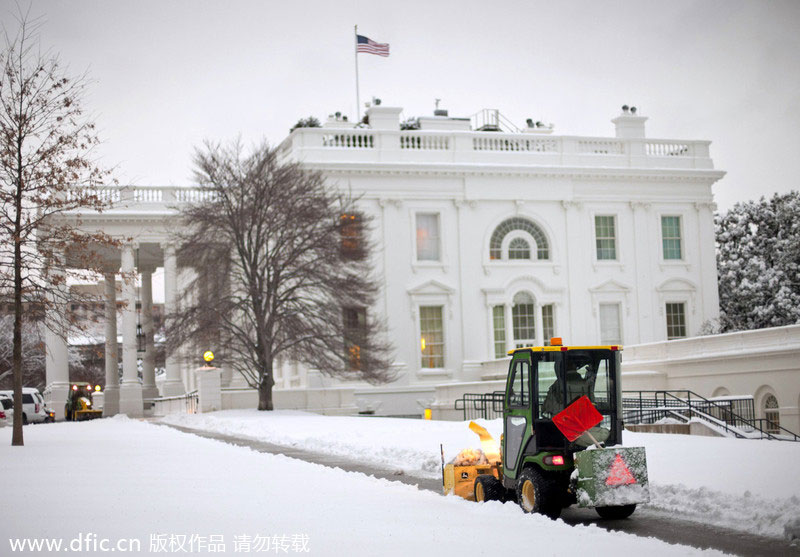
(47, 177)
(282, 271)
(33, 355)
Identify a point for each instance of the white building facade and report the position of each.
(486, 240)
(490, 240)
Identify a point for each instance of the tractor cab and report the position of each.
(543, 381)
(79, 402)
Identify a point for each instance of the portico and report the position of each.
(127, 286)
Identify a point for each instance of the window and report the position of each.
(355, 332)
(671, 237)
(431, 336)
(520, 387)
(546, 383)
(548, 323)
(499, 326)
(676, 320)
(524, 225)
(519, 249)
(586, 373)
(522, 319)
(351, 230)
(428, 242)
(610, 329)
(772, 414)
(605, 238)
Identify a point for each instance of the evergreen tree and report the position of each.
(758, 259)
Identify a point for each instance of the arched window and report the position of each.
(772, 414)
(523, 321)
(519, 249)
(524, 225)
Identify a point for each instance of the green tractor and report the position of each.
(552, 455)
(79, 403)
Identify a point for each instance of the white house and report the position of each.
(488, 239)
(491, 239)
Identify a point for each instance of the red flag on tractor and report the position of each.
(577, 418)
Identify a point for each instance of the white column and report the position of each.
(173, 386)
(149, 389)
(509, 323)
(209, 389)
(111, 391)
(539, 330)
(644, 246)
(130, 391)
(708, 262)
(577, 331)
(57, 352)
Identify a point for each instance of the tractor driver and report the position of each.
(577, 386)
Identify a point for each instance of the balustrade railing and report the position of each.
(349, 140)
(441, 145)
(601, 146)
(667, 149)
(465, 146)
(147, 195)
(531, 145)
(425, 142)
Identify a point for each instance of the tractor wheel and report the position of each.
(538, 493)
(489, 488)
(615, 513)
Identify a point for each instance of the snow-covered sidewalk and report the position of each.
(120, 479)
(747, 485)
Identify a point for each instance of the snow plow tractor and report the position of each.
(562, 437)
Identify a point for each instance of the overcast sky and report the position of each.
(169, 74)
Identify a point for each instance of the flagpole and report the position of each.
(358, 102)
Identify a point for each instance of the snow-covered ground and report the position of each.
(119, 479)
(747, 485)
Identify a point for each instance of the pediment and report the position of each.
(610, 286)
(431, 287)
(676, 285)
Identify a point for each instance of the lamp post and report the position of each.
(141, 339)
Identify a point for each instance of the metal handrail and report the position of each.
(663, 399)
(191, 399)
(481, 405)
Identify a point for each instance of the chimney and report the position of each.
(384, 117)
(629, 125)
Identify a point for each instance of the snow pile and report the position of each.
(748, 485)
(126, 479)
(411, 446)
(747, 512)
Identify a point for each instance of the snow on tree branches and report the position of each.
(758, 259)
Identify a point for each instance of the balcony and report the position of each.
(146, 201)
(367, 146)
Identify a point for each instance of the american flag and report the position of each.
(371, 47)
